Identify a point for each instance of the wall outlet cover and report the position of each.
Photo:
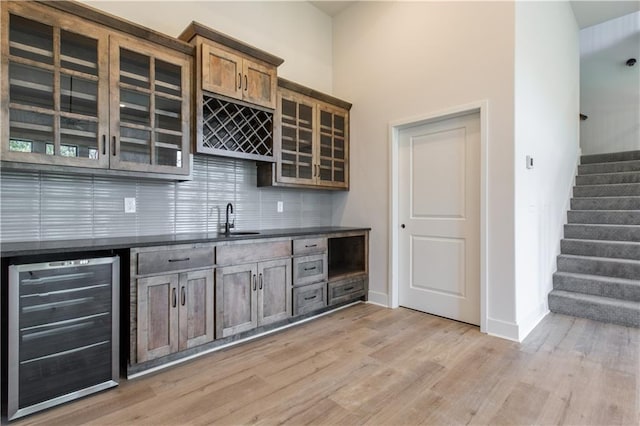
(129, 205)
(280, 206)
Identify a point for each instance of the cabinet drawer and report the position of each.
(172, 260)
(309, 298)
(309, 245)
(252, 252)
(343, 291)
(309, 269)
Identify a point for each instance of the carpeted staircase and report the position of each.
(598, 273)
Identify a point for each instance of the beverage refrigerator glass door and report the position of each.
(63, 332)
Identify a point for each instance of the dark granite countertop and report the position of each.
(26, 248)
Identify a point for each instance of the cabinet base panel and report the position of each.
(148, 367)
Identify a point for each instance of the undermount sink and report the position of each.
(231, 234)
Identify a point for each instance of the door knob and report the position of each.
(402, 226)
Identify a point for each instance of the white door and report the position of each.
(439, 212)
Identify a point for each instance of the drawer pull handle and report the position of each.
(310, 269)
(180, 260)
(254, 282)
(260, 281)
(348, 288)
(311, 298)
(174, 298)
(311, 245)
(183, 296)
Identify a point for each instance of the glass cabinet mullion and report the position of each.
(152, 109)
(56, 91)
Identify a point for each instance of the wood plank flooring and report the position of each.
(376, 366)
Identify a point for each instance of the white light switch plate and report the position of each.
(129, 205)
(280, 206)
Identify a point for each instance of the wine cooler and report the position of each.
(63, 332)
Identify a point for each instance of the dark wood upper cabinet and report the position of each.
(235, 95)
(311, 140)
(79, 91)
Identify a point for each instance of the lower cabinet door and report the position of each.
(274, 291)
(236, 299)
(309, 298)
(157, 333)
(196, 308)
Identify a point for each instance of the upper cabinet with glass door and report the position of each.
(76, 93)
(311, 140)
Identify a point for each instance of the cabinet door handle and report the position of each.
(311, 245)
(254, 282)
(114, 146)
(174, 297)
(183, 296)
(310, 269)
(104, 144)
(311, 298)
(180, 260)
(239, 81)
(246, 83)
(260, 281)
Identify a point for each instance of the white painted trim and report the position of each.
(394, 129)
(533, 319)
(378, 298)
(226, 345)
(503, 329)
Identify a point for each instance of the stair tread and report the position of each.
(595, 185)
(605, 211)
(604, 225)
(603, 278)
(619, 303)
(630, 173)
(598, 258)
(612, 197)
(633, 160)
(613, 242)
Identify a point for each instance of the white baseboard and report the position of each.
(503, 329)
(378, 298)
(531, 321)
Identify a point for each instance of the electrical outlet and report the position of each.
(280, 206)
(129, 205)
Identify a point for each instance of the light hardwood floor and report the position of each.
(371, 365)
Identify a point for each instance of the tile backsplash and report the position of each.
(46, 206)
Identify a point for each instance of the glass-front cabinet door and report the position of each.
(57, 86)
(149, 107)
(296, 128)
(333, 149)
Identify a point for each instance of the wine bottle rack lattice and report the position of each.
(235, 128)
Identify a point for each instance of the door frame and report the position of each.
(481, 107)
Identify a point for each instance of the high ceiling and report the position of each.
(587, 13)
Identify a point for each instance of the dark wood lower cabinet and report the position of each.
(175, 312)
(252, 295)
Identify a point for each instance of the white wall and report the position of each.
(610, 91)
(547, 128)
(395, 60)
(297, 32)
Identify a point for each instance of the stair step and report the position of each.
(617, 288)
(610, 157)
(608, 178)
(606, 203)
(597, 308)
(603, 266)
(615, 167)
(602, 232)
(616, 217)
(601, 248)
(606, 190)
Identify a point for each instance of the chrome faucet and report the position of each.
(228, 226)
